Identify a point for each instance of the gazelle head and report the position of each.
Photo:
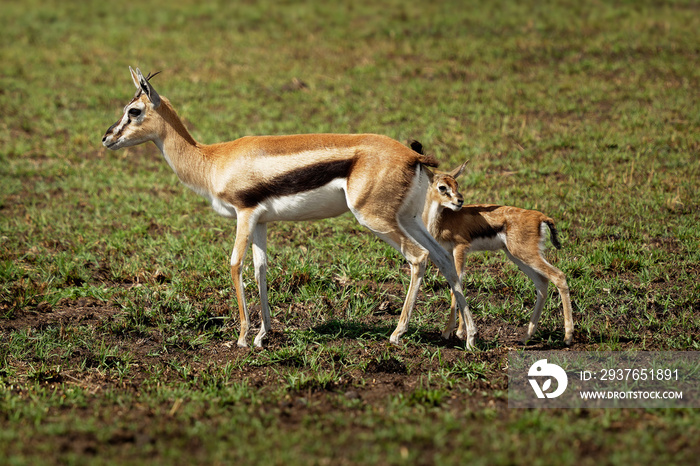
(136, 126)
(444, 189)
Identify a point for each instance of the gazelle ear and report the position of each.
(143, 84)
(457, 172)
(135, 78)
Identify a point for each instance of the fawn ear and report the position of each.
(457, 172)
(142, 83)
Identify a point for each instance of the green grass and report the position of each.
(115, 295)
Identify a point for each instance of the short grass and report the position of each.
(115, 297)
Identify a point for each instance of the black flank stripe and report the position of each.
(297, 181)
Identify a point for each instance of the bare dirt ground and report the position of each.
(379, 371)
(381, 377)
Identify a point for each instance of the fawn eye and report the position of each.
(134, 112)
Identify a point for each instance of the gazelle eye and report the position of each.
(442, 189)
(134, 112)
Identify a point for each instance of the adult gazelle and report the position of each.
(263, 179)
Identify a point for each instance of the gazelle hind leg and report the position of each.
(417, 273)
(541, 283)
(559, 279)
(541, 273)
(390, 231)
(260, 262)
(548, 273)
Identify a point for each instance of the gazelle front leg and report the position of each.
(442, 259)
(458, 254)
(244, 230)
(260, 262)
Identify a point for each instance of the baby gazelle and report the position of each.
(519, 232)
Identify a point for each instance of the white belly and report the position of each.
(222, 207)
(324, 202)
(492, 243)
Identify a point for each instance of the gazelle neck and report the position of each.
(184, 155)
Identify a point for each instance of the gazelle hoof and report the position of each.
(469, 339)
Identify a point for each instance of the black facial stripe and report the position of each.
(296, 181)
(109, 130)
(121, 130)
